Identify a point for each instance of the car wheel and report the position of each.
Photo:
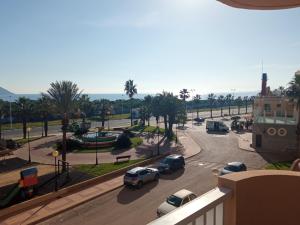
(156, 177)
(140, 185)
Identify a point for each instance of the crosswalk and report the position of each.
(207, 165)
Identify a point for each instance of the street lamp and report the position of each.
(10, 112)
(55, 155)
(192, 91)
(96, 136)
(108, 113)
(29, 155)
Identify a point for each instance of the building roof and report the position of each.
(262, 4)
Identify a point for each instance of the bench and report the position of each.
(122, 157)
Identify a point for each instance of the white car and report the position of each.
(174, 201)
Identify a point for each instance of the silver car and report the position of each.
(138, 176)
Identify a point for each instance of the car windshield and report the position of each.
(173, 200)
(232, 168)
(131, 175)
(167, 161)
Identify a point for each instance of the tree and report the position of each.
(293, 92)
(45, 107)
(130, 90)
(245, 100)
(148, 107)
(3, 112)
(197, 101)
(280, 91)
(184, 95)
(251, 100)
(228, 99)
(103, 108)
(221, 102)
(155, 107)
(64, 95)
(211, 101)
(85, 106)
(239, 103)
(24, 109)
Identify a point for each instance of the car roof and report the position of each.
(183, 193)
(235, 164)
(136, 169)
(174, 156)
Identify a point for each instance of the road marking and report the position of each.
(210, 165)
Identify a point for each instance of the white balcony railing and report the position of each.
(207, 209)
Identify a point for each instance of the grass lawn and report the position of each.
(104, 167)
(111, 117)
(150, 129)
(30, 124)
(279, 166)
(136, 141)
(25, 141)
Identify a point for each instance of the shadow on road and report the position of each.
(172, 176)
(130, 194)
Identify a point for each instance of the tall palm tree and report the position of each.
(184, 95)
(245, 100)
(85, 106)
(148, 104)
(130, 90)
(45, 107)
(239, 103)
(229, 99)
(293, 92)
(3, 112)
(24, 110)
(64, 95)
(197, 101)
(211, 101)
(251, 100)
(221, 102)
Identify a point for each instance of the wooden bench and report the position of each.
(122, 157)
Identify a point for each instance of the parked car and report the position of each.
(171, 163)
(233, 167)
(199, 119)
(174, 201)
(138, 176)
(235, 118)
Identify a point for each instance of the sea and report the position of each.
(116, 96)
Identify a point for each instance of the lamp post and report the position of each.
(10, 112)
(96, 136)
(29, 155)
(176, 132)
(55, 154)
(108, 113)
(157, 127)
(192, 91)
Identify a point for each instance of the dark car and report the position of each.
(235, 118)
(199, 119)
(171, 163)
(233, 167)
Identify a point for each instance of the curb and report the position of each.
(73, 206)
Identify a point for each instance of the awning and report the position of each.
(262, 4)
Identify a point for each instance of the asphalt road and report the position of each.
(137, 207)
(37, 131)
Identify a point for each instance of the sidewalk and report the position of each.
(245, 141)
(60, 205)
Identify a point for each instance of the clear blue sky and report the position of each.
(160, 44)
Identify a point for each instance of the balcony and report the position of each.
(261, 197)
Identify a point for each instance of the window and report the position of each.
(186, 200)
(267, 107)
(278, 105)
(192, 197)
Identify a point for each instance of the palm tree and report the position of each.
(184, 95)
(148, 105)
(251, 100)
(3, 112)
(221, 101)
(64, 95)
(45, 107)
(245, 100)
(197, 101)
(239, 103)
(85, 106)
(211, 101)
(293, 92)
(130, 90)
(229, 99)
(24, 109)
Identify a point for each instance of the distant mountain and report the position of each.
(7, 95)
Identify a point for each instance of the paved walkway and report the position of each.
(245, 141)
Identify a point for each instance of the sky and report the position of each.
(163, 45)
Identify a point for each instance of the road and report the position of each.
(37, 131)
(137, 207)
